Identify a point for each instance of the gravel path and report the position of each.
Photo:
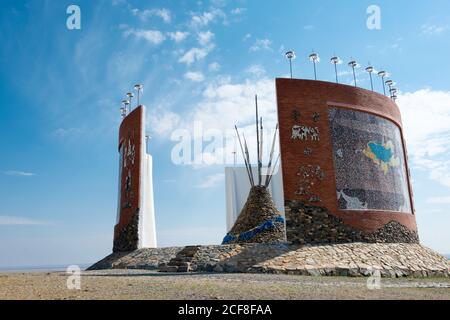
(137, 284)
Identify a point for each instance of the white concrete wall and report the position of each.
(147, 238)
(237, 187)
(147, 224)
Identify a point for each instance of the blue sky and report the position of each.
(199, 61)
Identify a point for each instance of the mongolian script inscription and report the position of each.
(305, 133)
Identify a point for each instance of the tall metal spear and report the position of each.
(257, 142)
(243, 156)
(248, 159)
(234, 152)
(273, 170)
(262, 142)
(266, 184)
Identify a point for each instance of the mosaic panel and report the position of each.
(369, 162)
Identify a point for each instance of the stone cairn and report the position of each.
(259, 221)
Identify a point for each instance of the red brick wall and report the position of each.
(130, 135)
(310, 97)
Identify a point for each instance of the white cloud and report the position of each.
(178, 36)
(212, 181)
(62, 133)
(215, 66)
(19, 173)
(194, 76)
(152, 36)
(204, 38)
(261, 44)
(202, 19)
(428, 29)
(19, 221)
(194, 54)
(118, 2)
(238, 11)
(144, 15)
(426, 121)
(205, 18)
(163, 14)
(163, 122)
(246, 37)
(426, 117)
(256, 70)
(439, 200)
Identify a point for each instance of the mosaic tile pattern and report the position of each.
(369, 162)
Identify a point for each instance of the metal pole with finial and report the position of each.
(125, 104)
(123, 112)
(390, 84)
(382, 75)
(369, 69)
(138, 88)
(335, 60)
(130, 96)
(314, 58)
(393, 92)
(353, 64)
(257, 141)
(290, 55)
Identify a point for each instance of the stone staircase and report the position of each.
(182, 261)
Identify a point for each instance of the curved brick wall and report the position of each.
(315, 152)
(130, 141)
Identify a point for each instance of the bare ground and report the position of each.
(138, 284)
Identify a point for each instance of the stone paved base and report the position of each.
(354, 259)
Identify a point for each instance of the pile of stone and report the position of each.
(259, 220)
(145, 259)
(350, 259)
(316, 225)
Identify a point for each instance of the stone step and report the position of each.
(182, 261)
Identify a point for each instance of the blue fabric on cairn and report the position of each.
(248, 235)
